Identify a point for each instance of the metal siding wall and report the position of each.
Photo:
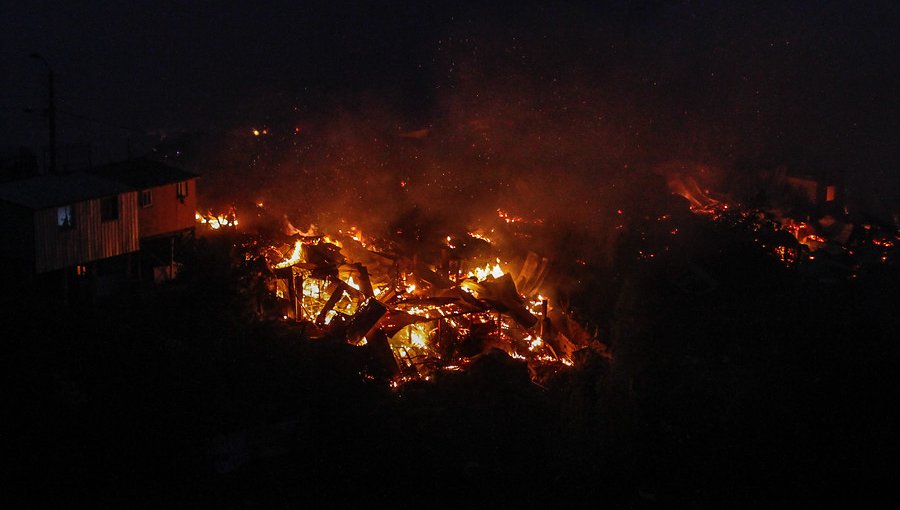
(186, 217)
(129, 221)
(168, 214)
(90, 239)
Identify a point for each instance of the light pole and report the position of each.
(51, 111)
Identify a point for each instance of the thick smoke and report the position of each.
(561, 116)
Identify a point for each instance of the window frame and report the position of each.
(148, 194)
(181, 190)
(69, 222)
(105, 215)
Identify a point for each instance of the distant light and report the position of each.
(255, 132)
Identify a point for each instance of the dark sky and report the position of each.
(730, 83)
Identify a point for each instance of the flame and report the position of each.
(331, 240)
(311, 287)
(217, 221)
(414, 344)
(294, 258)
(508, 218)
(479, 235)
(410, 339)
(482, 273)
(357, 235)
(417, 337)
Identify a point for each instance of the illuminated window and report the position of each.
(81, 270)
(64, 218)
(146, 198)
(181, 190)
(830, 193)
(109, 208)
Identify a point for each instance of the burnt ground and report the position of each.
(772, 388)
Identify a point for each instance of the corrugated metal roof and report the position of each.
(46, 191)
(142, 173)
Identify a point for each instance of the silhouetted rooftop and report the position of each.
(45, 191)
(142, 173)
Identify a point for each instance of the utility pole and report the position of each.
(51, 111)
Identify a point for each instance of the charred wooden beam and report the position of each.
(365, 284)
(430, 277)
(545, 331)
(298, 296)
(365, 320)
(337, 291)
(501, 295)
(533, 273)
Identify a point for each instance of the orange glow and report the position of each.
(217, 221)
(420, 317)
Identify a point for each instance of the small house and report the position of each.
(167, 203)
(79, 225)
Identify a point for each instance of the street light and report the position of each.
(51, 110)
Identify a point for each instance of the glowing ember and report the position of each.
(483, 237)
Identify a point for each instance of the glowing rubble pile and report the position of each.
(419, 313)
(844, 246)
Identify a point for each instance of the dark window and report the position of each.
(109, 208)
(146, 198)
(181, 190)
(64, 217)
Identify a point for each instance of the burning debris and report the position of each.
(428, 315)
(228, 219)
(839, 245)
(416, 309)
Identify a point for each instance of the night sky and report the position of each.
(737, 85)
